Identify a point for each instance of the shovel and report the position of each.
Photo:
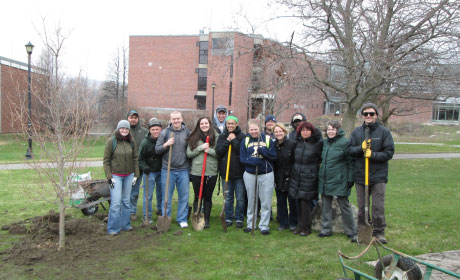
(365, 231)
(146, 203)
(164, 222)
(198, 217)
(222, 216)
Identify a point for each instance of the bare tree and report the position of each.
(372, 46)
(63, 114)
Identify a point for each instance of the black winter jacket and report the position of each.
(304, 174)
(382, 147)
(147, 155)
(236, 169)
(283, 164)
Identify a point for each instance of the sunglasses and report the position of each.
(369, 114)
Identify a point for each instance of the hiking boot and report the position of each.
(323, 235)
(265, 232)
(296, 231)
(229, 223)
(133, 217)
(353, 238)
(382, 239)
(239, 224)
(304, 233)
(247, 230)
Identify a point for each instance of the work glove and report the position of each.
(368, 153)
(147, 170)
(350, 185)
(112, 183)
(366, 145)
(134, 180)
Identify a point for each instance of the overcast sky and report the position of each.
(98, 27)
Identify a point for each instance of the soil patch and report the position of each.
(85, 239)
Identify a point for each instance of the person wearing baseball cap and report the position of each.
(150, 164)
(296, 119)
(219, 118)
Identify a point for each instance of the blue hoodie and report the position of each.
(257, 154)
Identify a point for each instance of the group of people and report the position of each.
(299, 165)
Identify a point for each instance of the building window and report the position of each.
(222, 46)
(203, 52)
(202, 78)
(443, 111)
(200, 102)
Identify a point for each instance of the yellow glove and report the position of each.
(366, 145)
(368, 153)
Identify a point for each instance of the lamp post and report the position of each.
(29, 49)
(213, 85)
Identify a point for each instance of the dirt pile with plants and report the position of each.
(85, 238)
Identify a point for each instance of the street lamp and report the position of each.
(29, 49)
(213, 85)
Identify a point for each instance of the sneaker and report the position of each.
(150, 222)
(247, 230)
(133, 217)
(265, 232)
(382, 239)
(129, 229)
(281, 228)
(112, 233)
(239, 224)
(292, 228)
(183, 224)
(229, 223)
(323, 235)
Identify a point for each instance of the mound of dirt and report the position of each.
(84, 238)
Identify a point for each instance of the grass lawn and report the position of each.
(421, 210)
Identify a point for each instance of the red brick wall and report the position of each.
(14, 95)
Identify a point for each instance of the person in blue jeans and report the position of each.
(150, 164)
(121, 168)
(180, 166)
(232, 136)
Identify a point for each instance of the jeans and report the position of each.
(119, 211)
(235, 188)
(179, 179)
(154, 179)
(265, 185)
(135, 195)
(282, 200)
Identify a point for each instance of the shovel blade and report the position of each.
(198, 221)
(364, 234)
(163, 223)
(223, 222)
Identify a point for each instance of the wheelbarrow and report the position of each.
(394, 266)
(95, 193)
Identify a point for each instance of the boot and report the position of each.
(207, 213)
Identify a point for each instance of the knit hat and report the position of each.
(221, 108)
(154, 122)
(270, 118)
(133, 112)
(370, 105)
(123, 124)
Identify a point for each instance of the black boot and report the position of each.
(207, 213)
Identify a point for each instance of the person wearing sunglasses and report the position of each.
(379, 150)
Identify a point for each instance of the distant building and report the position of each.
(249, 75)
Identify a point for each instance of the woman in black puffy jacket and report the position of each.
(283, 165)
(304, 174)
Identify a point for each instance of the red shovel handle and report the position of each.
(203, 170)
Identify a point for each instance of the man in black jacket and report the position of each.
(379, 151)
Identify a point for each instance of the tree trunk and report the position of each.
(348, 123)
(61, 223)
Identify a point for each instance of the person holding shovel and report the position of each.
(179, 166)
(379, 149)
(121, 168)
(257, 154)
(150, 164)
(304, 175)
(196, 149)
(233, 136)
(336, 179)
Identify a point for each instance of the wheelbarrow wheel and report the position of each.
(405, 269)
(90, 210)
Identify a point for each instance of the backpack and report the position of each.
(114, 144)
(267, 141)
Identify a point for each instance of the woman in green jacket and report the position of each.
(122, 170)
(336, 179)
(196, 148)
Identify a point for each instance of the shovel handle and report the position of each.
(228, 162)
(203, 171)
(167, 176)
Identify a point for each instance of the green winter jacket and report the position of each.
(147, 155)
(197, 157)
(337, 166)
(124, 160)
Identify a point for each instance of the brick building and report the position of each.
(247, 74)
(13, 93)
